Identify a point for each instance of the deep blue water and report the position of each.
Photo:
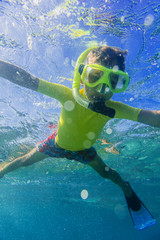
(44, 201)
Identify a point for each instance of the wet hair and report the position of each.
(108, 57)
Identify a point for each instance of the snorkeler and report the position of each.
(84, 114)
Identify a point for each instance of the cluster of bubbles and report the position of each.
(147, 21)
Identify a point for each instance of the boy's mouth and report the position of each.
(99, 98)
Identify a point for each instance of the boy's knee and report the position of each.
(24, 163)
(27, 158)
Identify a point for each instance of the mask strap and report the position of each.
(81, 67)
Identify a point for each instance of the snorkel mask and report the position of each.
(105, 79)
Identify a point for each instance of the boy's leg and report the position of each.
(32, 157)
(106, 172)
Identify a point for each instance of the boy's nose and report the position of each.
(103, 88)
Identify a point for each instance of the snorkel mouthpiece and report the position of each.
(100, 107)
(97, 106)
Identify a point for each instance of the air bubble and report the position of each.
(148, 20)
(66, 61)
(122, 19)
(107, 89)
(29, 42)
(87, 144)
(36, 2)
(115, 68)
(84, 194)
(107, 169)
(42, 18)
(69, 105)
(68, 13)
(69, 120)
(91, 135)
(21, 100)
(108, 130)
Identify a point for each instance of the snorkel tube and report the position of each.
(77, 80)
(97, 106)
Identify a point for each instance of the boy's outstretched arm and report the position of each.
(18, 76)
(149, 117)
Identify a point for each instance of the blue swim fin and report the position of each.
(140, 215)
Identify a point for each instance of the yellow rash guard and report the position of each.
(78, 127)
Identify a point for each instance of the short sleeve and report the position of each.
(54, 90)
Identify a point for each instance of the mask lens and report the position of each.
(93, 75)
(117, 81)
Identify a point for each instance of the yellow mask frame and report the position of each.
(116, 80)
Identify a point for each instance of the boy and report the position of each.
(79, 127)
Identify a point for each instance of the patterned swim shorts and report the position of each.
(48, 147)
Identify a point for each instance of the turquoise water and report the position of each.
(45, 38)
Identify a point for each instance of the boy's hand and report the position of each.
(18, 76)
